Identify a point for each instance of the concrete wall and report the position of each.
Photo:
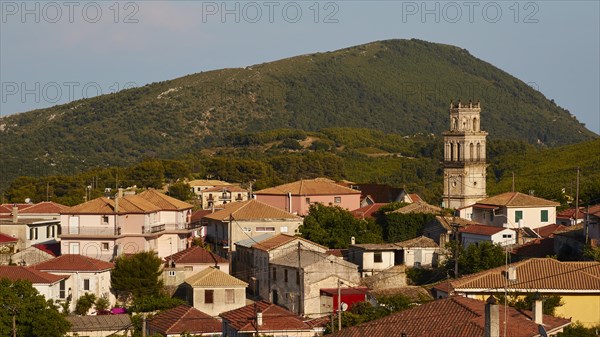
(197, 299)
(300, 205)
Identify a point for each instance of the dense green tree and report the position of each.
(181, 191)
(578, 330)
(137, 275)
(147, 174)
(102, 304)
(84, 303)
(399, 227)
(35, 316)
(476, 257)
(333, 226)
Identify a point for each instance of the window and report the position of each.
(506, 236)
(283, 229)
(274, 274)
(377, 257)
(105, 219)
(308, 201)
(48, 232)
(518, 216)
(337, 200)
(104, 245)
(285, 275)
(265, 229)
(86, 284)
(297, 277)
(61, 289)
(209, 296)
(36, 233)
(229, 296)
(171, 273)
(544, 216)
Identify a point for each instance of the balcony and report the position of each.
(170, 228)
(90, 231)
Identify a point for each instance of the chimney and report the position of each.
(259, 320)
(538, 309)
(492, 318)
(353, 240)
(512, 273)
(15, 214)
(120, 193)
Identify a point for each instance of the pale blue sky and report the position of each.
(554, 44)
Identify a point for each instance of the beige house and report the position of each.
(218, 196)
(85, 275)
(181, 265)
(213, 291)
(298, 277)
(248, 219)
(198, 185)
(513, 210)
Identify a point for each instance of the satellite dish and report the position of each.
(27, 200)
(344, 306)
(542, 331)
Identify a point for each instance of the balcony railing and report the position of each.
(90, 230)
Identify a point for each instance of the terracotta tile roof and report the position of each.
(418, 207)
(544, 274)
(367, 211)
(74, 262)
(318, 186)
(569, 213)
(208, 182)
(307, 258)
(199, 214)
(99, 322)
(420, 242)
(587, 267)
(539, 248)
(415, 197)
(44, 207)
(275, 318)
(594, 210)
(14, 273)
(447, 221)
(481, 229)
(454, 316)
(50, 248)
(279, 240)
(515, 199)
(20, 207)
(379, 193)
(184, 319)
(232, 188)
(164, 201)
(213, 277)
(336, 252)
(195, 255)
(100, 205)
(549, 230)
(7, 238)
(250, 210)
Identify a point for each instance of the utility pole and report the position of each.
(47, 190)
(513, 181)
(300, 281)
(339, 305)
(587, 221)
(144, 325)
(577, 198)
(455, 230)
(229, 230)
(14, 327)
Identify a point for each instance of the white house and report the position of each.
(474, 234)
(52, 287)
(514, 210)
(85, 275)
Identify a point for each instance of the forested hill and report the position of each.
(400, 86)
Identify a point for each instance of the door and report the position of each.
(74, 225)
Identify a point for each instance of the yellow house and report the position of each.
(577, 283)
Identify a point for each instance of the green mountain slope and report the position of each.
(396, 86)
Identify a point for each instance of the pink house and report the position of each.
(297, 197)
(103, 228)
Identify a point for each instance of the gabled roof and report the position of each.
(454, 316)
(279, 240)
(227, 188)
(164, 201)
(447, 221)
(516, 199)
(195, 255)
(419, 242)
(184, 319)
(213, 277)
(318, 186)
(418, 207)
(541, 275)
(481, 229)
(75, 263)
(415, 197)
(549, 230)
(14, 273)
(275, 318)
(569, 213)
(367, 211)
(208, 182)
(307, 258)
(7, 238)
(379, 193)
(100, 205)
(250, 241)
(250, 210)
(44, 207)
(99, 322)
(49, 248)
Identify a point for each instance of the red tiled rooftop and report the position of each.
(318, 186)
(184, 319)
(278, 241)
(514, 199)
(50, 248)
(275, 318)
(7, 238)
(481, 229)
(549, 230)
(367, 211)
(44, 207)
(195, 255)
(74, 262)
(14, 273)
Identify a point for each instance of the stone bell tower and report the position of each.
(464, 157)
